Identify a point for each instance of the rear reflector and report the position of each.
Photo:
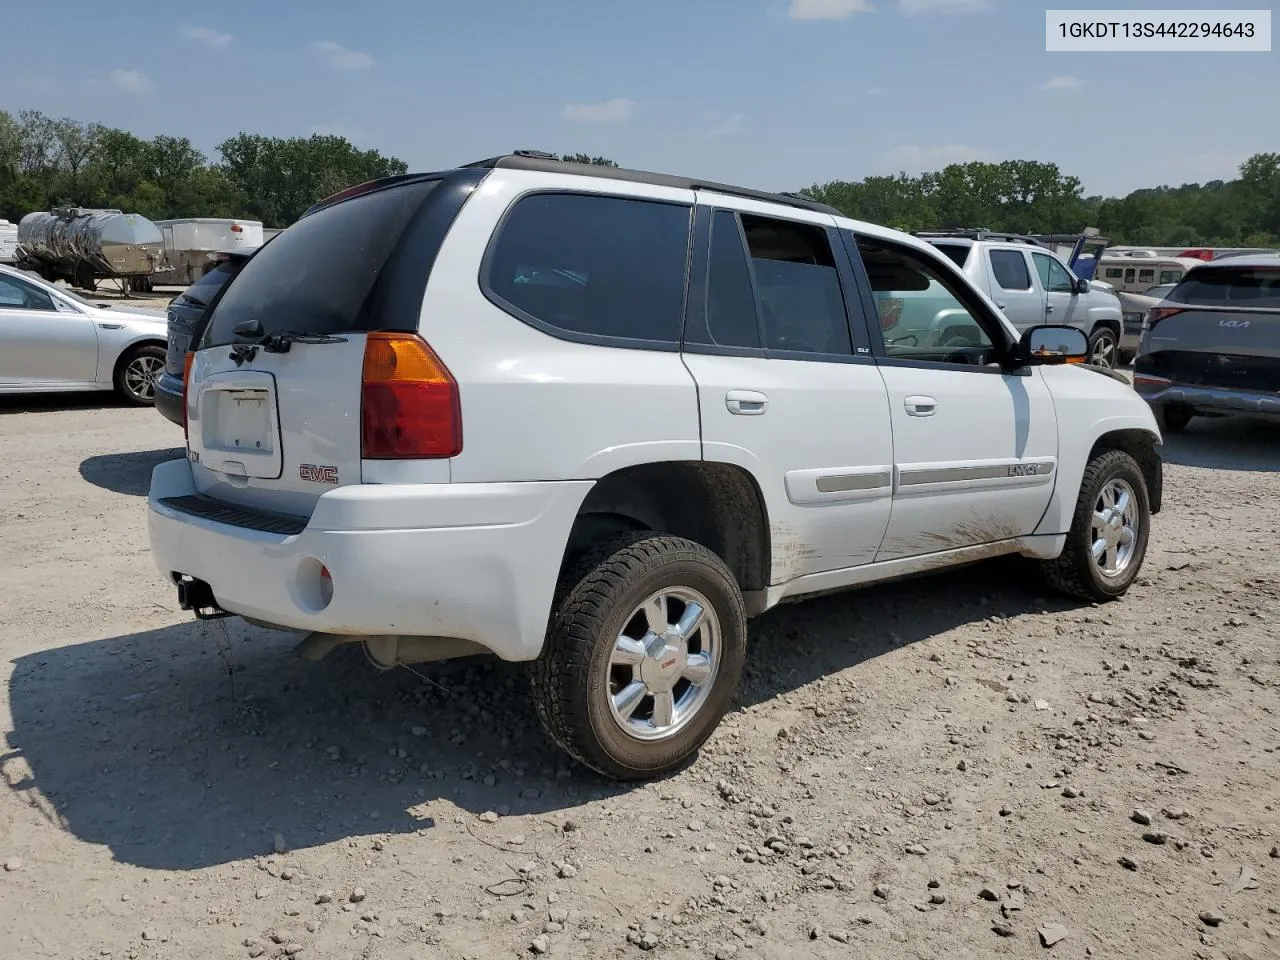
(1151, 379)
(409, 405)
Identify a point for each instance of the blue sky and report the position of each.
(777, 94)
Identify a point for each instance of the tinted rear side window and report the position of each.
(957, 253)
(593, 267)
(319, 276)
(1237, 286)
(1010, 269)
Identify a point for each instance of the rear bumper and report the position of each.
(1211, 399)
(169, 397)
(476, 562)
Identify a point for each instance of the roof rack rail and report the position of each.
(548, 163)
(979, 233)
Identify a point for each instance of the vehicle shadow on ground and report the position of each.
(127, 473)
(147, 744)
(1226, 443)
(54, 402)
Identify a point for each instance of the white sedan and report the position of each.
(53, 340)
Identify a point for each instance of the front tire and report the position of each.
(1104, 348)
(137, 373)
(643, 655)
(1109, 530)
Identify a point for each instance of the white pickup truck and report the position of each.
(1032, 285)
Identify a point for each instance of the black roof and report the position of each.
(547, 163)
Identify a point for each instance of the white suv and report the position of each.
(595, 419)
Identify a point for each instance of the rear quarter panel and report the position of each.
(1088, 405)
(536, 407)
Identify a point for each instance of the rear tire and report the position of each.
(1109, 531)
(614, 693)
(137, 373)
(1173, 417)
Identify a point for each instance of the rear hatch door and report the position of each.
(275, 388)
(1220, 327)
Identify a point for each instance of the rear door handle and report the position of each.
(746, 403)
(1048, 308)
(921, 406)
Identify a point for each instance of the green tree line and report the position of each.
(47, 162)
(1026, 196)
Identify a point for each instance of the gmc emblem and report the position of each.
(309, 471)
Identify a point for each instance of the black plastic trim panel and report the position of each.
(233, 515)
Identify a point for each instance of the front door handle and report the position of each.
(921, 406)
(746, 403)
(1000, 305)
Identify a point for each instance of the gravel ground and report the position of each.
(961, 766)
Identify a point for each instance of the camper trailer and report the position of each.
(8, 242)
(1137, 271)
(192, 243)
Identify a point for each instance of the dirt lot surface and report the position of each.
(956, 767)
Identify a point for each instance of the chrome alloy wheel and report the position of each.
(141, 374)
(664, 664)
(1115, 528)
(1103, 353)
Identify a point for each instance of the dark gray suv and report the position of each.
(186, 320)
(1212, 346)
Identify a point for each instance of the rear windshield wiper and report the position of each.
(250, 336)
(279, 341)
(194, 301)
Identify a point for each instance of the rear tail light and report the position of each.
(890, 312)
(236, 228)
(409, 404)
(186, 379)
(1156, 314)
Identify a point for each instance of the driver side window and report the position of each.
(16, 295)
(1053, 275)
(923, 312)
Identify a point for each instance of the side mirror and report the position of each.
(1082, 285)
(1053, 345)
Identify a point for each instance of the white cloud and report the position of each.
(1062, 81)
(340, 58)
(607, 111)
(913, 7)
(827, 9)
(206, 35)
(912, 158)
(131, 81)
(724, 124)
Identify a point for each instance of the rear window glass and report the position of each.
(1238, 286)
(202, 292)
(957, 253)
(1010, 269)
(593, 266)
(318, 276)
